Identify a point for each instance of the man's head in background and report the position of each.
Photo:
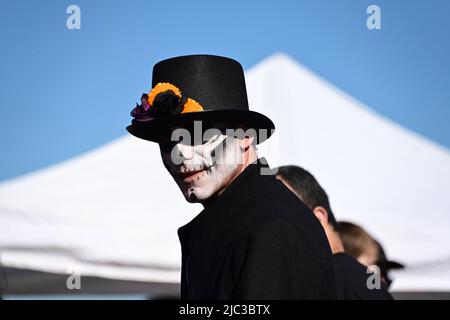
(306, 187)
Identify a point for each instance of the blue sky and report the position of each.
(64, 92)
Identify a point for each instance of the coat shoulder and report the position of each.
(276, 205)
(277, 214)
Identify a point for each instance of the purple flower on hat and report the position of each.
(142, 111)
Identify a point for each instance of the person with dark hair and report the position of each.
(351, 276)
(254, 239)
(306, 187)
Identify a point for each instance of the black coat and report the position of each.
(257, 240)
(351, 280)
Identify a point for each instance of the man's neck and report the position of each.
(335, 240)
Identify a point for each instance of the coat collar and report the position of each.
(222, 213)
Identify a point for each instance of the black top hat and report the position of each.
(196, 87)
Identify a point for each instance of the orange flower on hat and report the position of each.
(162, 87)
(192, 106)
(164, 99)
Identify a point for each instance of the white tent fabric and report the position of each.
(114, 212)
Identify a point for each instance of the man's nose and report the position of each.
(185, 151)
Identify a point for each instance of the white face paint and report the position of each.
(203, 170)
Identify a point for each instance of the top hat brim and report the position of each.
(152, 130)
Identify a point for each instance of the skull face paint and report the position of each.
(203, 170)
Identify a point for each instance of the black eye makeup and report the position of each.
(167, 144)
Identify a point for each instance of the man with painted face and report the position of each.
(203, 170)
(254, 239)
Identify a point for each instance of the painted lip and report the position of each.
(187, 174)
(193, 177)
(190, 175)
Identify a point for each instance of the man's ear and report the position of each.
(321, 214)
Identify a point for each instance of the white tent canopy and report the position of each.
(114, 212)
